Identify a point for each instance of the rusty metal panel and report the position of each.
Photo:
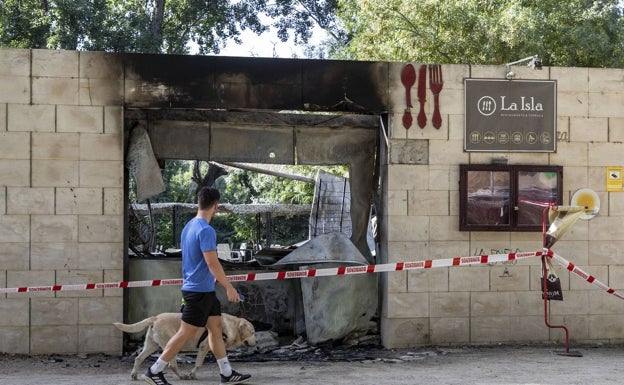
(174, 139)
(325, 146)
(252, 144)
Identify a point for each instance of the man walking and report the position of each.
(201, 270)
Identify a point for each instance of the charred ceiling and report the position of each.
(257, 137)
(255, 83)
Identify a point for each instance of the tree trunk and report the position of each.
(214, 171)
(157, 23)
(42, 41)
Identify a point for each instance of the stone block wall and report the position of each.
(61, 199)
(61, 211)
(500, 303)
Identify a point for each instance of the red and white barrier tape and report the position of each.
(333, 271)
(325, 272)
(582, 274)
(92, 286)
(387, 267)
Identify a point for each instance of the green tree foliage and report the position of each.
(245, 187)
(565, 33)
(302, 16)
(152, 26)
(249, 187)
(24, 23)
(155, 26)
(240, 187)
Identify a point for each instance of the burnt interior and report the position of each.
(271, 138)
(264, 111)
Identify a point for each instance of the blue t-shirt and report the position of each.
(197, 236)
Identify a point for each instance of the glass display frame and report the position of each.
(507, 197)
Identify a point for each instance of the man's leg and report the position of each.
(215, 336)
(153, 375)
(217, 346)
(175, 344)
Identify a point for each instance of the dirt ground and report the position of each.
(498, 365)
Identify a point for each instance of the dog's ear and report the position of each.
(245, 329)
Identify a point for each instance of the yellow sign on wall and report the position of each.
(614, 178)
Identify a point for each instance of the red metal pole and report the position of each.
(545, 285)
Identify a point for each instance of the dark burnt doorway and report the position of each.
(272, 138)
(269, 138)
(230, 109)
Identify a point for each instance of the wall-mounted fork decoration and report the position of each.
(435, 84)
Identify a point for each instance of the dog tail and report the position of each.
(136, 327)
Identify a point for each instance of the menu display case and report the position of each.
(507, 197)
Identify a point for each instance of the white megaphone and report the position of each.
(585, 204)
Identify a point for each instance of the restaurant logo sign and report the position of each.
(510, 116)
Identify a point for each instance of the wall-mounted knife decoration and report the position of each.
(408, 78)
(422, 95)
(435, 84)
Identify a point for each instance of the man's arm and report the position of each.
(217, 270)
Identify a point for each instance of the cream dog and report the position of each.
(236, 331)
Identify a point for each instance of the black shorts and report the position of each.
(199, 306)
